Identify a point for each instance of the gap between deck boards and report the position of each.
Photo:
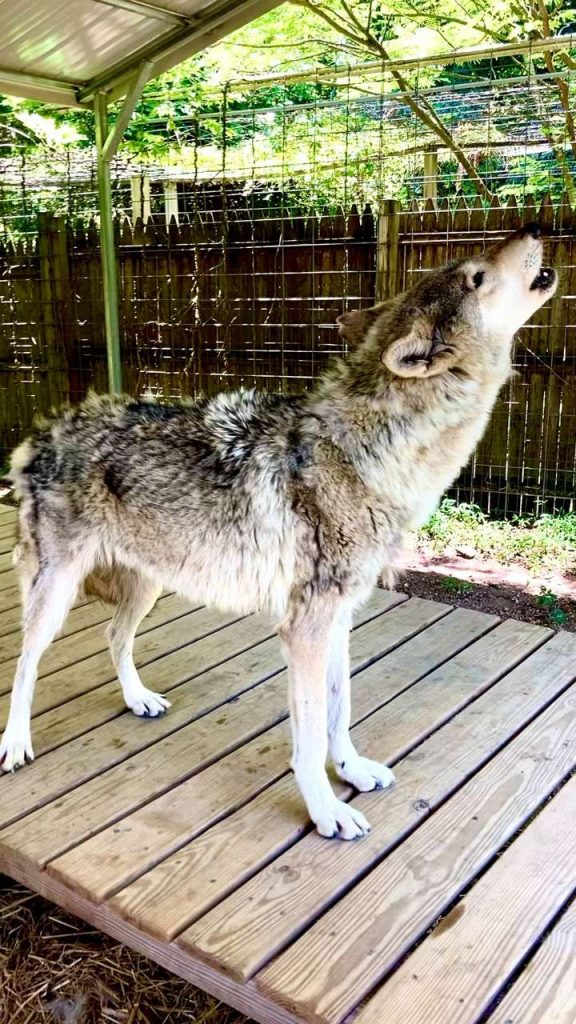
(475, 712)
(244, 996)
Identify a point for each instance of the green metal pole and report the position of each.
(107, 248)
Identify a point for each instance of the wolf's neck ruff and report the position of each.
(406, 440)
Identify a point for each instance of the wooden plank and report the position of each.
(259, 919)
(386, 250)
(245, 998)
(6, 561)
(83, 633)
(10, 621)
(152, 646)
(172, 614)
(129, 784)
(204, 689)
(110, 744)
(453, 685)
(189, 881)
(10, 597)
(343, 957)
(545, 992)
(118, 854)
(8, 513)
(7, 531)
(87, 613)
(183, 744)
(56, 323)
(7, 579)
(11, 618)
(460, 968)
(116, 783)
(168, 670)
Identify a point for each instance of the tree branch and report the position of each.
(566, 59)
(422, 109)
(541, 10)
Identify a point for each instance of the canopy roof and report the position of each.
(65, 52)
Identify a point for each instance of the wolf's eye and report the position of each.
(478, 278)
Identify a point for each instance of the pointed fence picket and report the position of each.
(248, 295)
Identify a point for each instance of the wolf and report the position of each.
(292, 506)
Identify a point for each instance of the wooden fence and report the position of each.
(251, 297)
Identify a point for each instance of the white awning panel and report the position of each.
(62, 52)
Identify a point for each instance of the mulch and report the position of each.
(54, 969)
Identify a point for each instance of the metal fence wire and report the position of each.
(269, 215)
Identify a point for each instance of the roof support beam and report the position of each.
(107, 142)
(107, 248)
(148, 10)
(49, 90)
(179, 36)
(134, 93)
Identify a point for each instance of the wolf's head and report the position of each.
(462, 317)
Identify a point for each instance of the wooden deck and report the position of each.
(185, 837)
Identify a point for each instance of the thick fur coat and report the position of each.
(292, 506)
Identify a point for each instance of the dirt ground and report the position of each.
(507, 591)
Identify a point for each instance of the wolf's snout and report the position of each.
(531, 230)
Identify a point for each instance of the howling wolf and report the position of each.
(293, 506)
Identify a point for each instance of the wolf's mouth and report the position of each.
(544, 280)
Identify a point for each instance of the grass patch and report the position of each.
(542, 543)
(456, 586)
(548, 600)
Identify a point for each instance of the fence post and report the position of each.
(140, 193)
(387, 249)
(55, 296)
(430, 184)
(171, 202)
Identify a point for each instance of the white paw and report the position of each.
(336, 820)
(147, 704)
(15, 752)
(365, 775)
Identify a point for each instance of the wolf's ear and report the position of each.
(422, 353)
(353, 325)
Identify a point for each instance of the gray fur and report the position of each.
(291, 506)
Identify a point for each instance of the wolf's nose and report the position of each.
(532, 229)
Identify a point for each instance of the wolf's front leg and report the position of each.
(360, 772)
(306, 638)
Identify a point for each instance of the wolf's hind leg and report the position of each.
(136, 596)
(306, 637)
(360, 772)
(47, 597)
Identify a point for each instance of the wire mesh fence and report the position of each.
(267, 215)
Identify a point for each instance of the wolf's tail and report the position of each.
(35, 476)
(26, 554)
(105, 583)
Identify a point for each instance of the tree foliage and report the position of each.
(180, 114)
